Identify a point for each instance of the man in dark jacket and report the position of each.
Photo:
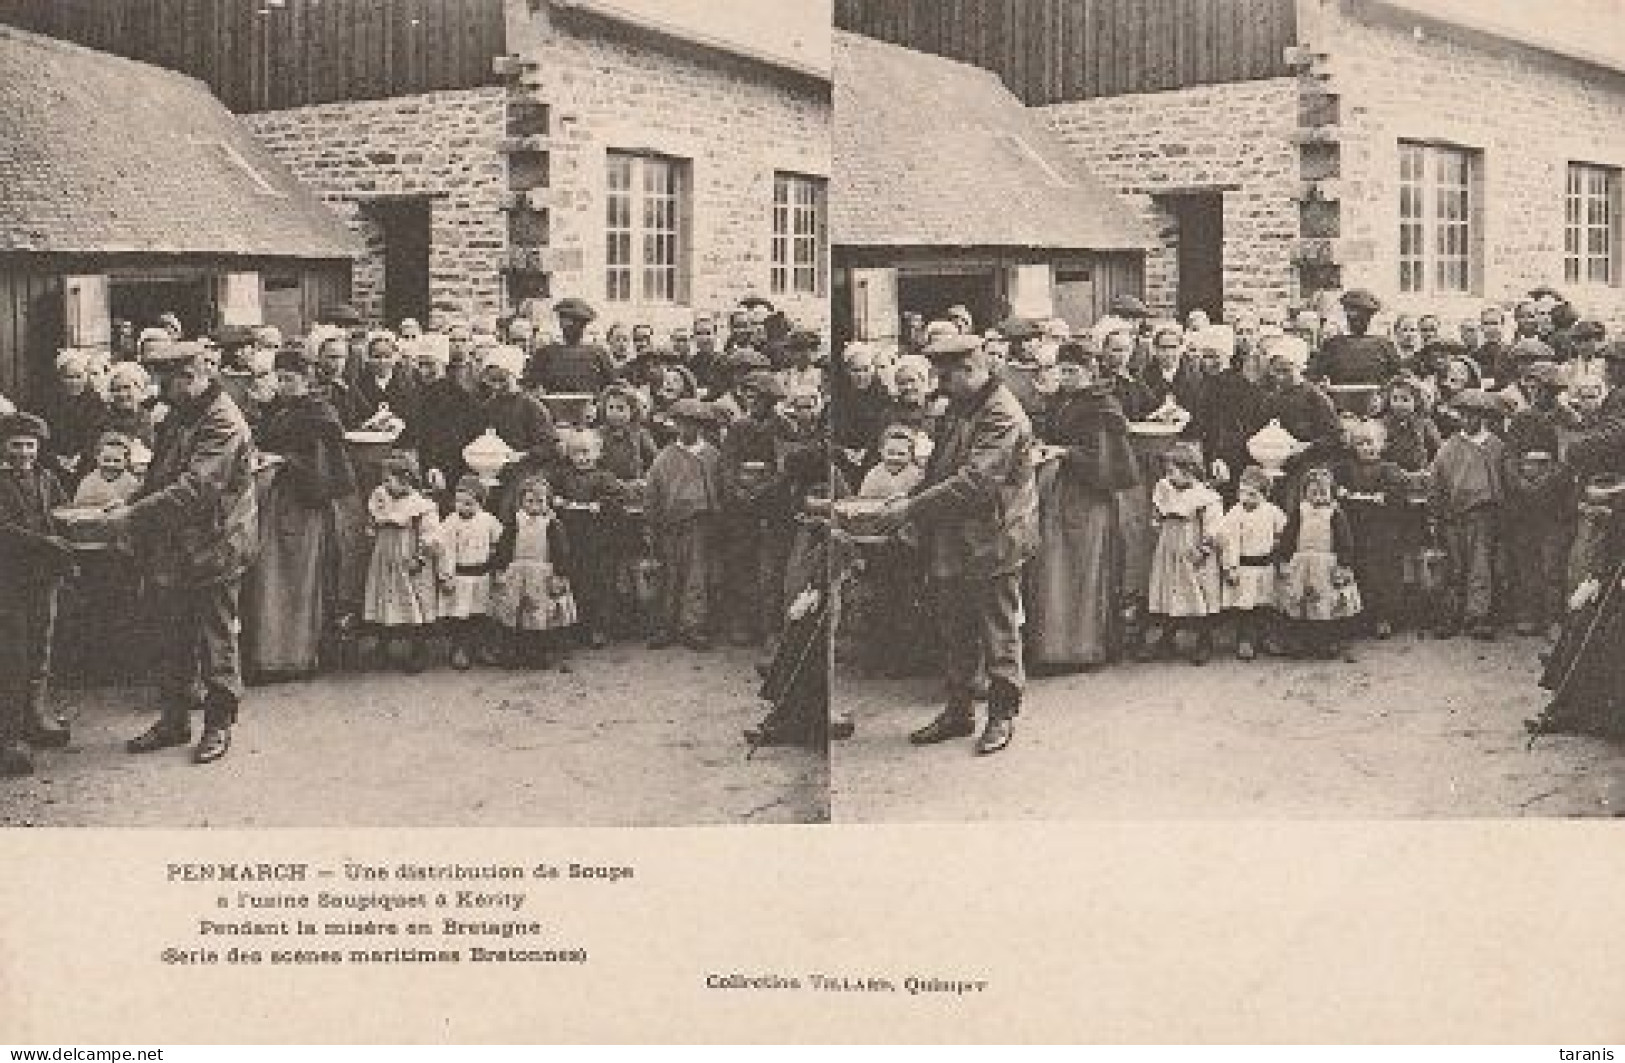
(977, 513)
(195, 528)
(574, 366)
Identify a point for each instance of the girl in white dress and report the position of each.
(402, 592)
(531, 598)
(469, 536)
(1185, 584)
(1247, 539)
(1317, 588)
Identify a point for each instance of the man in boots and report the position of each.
(33, 558)
(195, 529)
(976, 511)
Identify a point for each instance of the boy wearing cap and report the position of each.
(1465, 496)
(33, 558)
(682, 499)
(1540, 510)
(759, 526)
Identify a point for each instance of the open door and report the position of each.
(405, 226)
(1200, 218)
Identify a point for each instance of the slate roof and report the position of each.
(102, 154)
(930, 152)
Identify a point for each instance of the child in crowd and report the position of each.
(628, 448)
(1318, 592)
(112, 482)
(531, 596)
(1466, 492)
(682, 500)
(1375, 494)
(403, 585)
(898, 473)
(1247, 539)
(1411, 439)
(591, 504)
(1185, 581)
(1410, 436)
(469, 537)
(33, 559)
(1538, 521)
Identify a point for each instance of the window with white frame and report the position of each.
(644, 243)
(1437, 229)
(798, 234)
(1591, 235)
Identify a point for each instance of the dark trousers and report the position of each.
(685, 575)
(1469, 544)
(757, 552)
(1538, 551)
(27, 624)
(198, 649)
(980, 623)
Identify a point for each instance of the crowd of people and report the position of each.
(516, 492)
(1298, 480)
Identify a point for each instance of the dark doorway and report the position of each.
(1200, 220)
(932, 294)
(404, 224)
(142, 302)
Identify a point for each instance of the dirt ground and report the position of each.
(1412, 729)
(633, 737)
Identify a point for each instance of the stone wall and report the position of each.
(734, 121)
(445, 145)
(1527, 114)
(1238, 137)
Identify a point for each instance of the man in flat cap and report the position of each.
(195, 528)
(757, 526)
(1355, 357)
(33, 559)
(976, 511)
(572, 366)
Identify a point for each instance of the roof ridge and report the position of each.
(926, 57)
(45, 40)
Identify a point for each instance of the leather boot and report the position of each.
(956, 720)
(219, 713)
(1004, 704)
(173, 728)
(41, 729)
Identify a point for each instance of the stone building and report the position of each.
(127, 191)
(983, 207)
(1442, 152)
(491, 151)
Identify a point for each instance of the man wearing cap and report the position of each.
(33, 559)
(801, 370)
(1356, 358)
(976, 510)
(195, 528)
(573, 366)
(1539, 518)
(758, 528)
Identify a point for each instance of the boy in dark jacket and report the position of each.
(33, 558)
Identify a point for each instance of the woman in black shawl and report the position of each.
(1073, 586)
(292, 591)
(1586, 673)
